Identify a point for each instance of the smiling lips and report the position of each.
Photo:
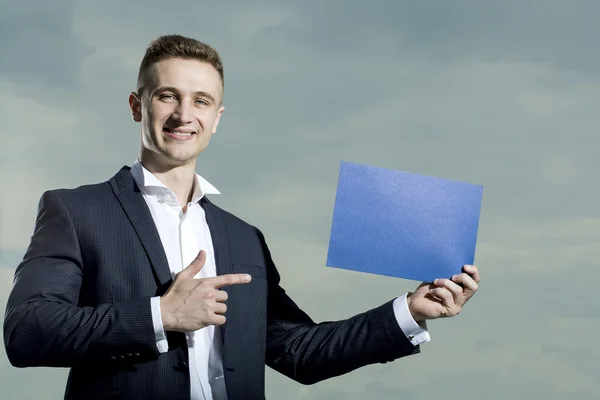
(179, 133)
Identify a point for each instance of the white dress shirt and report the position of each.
(183, 235)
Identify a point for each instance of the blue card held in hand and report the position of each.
(403, 224)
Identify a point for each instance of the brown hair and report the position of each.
(177, 46)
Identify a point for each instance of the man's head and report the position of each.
(179, 99)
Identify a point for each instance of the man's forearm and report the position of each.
(309, 352)
(50, 334)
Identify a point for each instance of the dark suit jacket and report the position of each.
(81, 299)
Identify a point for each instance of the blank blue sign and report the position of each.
(402, 224)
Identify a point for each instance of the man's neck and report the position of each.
(179, 179)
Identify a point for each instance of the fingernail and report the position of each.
(247, 277)
(436, 281)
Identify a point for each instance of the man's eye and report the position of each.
(201, 101)
(167, 97)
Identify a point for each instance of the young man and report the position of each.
(147, 290)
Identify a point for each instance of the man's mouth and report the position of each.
(179, 132)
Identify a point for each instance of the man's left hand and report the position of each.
(443, 297)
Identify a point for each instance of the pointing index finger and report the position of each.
(230, 279)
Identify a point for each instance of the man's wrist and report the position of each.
(415, 315)
(166, 322)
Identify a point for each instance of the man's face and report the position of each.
(179, 109)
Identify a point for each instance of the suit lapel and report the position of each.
(137, 211)
(218, 232)
(134, 205)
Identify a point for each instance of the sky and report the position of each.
(501, 94)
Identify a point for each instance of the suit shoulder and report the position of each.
(87, 192)
(78, 200)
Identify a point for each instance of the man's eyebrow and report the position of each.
(197, 93)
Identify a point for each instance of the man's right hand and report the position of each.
(191, 304)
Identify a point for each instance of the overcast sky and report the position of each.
(505, 94)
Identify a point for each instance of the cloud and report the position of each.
(580, 357)
(558, 33)
(550, 246)
(36, 144)
(39, 45)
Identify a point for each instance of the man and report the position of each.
(147, 290)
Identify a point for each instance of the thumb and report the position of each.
(196, 266)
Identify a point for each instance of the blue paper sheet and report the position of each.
(402, 224)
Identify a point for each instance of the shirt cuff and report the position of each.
(415, 332)
(161, 338)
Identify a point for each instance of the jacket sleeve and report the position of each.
(45, 326)
(310, 352)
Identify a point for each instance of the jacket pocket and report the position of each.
(255, 271)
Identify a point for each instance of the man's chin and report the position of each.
(180, 159)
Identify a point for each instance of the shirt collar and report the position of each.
(151, 185)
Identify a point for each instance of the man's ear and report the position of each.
(135, 105)
(217, 119)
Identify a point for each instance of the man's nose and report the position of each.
(183, 113)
